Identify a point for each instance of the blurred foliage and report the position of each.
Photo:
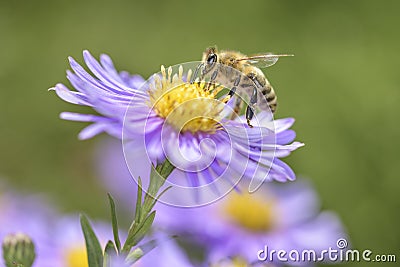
(342, 87)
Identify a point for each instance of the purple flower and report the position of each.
(59, 241)
(167, 117)
(164, 255)
(109, 94)
(167, 253)
(69, 241)
(281, 217)
(110, 166)
(71, 250)
(29, 215)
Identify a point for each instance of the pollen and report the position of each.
(186, 106)
(249, 211)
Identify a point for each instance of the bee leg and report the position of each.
(235, 83)
(249, 115)
(212, 79)
(196, 72)
(231, 93)
(250, 107)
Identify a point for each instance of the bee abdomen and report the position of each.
(267, 91)
(271, 98)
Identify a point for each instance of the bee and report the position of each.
(242, 75)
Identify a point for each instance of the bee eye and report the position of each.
(212, 58)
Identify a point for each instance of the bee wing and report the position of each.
(263, 60)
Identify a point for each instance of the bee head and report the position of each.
(210, 57)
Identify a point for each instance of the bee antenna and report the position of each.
(212, 49)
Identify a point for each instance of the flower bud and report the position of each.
(18, 250)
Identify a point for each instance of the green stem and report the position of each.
(145, 216)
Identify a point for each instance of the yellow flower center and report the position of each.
(77, 257)
(185, 106)
(249, 211)
(233, 262)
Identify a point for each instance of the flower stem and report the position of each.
(145, 215)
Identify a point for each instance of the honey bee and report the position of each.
(242, 75)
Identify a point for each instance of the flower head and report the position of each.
(113, 173)
(32, 216)
(109, 94)
(189, 124)
(69, 242)
(71, 251)
(185, 106)
(241, 224)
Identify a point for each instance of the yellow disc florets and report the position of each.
(231, 262)
(186, 106)
(249, 211)
(76, 257)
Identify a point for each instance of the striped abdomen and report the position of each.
(266, 89)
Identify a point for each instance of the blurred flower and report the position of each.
(235, 262)
(278, 216)
(70, 243)
(32, 216)
(110, 166)
(58, 238)
(71, 251)
(167, 253)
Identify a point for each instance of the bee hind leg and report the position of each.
(249, 115)
(250, 106)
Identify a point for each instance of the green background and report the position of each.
(342, 87)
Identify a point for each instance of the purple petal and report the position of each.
(283, 124)
(70, 96)
(281, 171)
(80, 117)
(104, 76)
(285, 137)
(92, 130)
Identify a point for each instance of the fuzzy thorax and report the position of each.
(186, 106)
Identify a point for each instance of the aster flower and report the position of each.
(69, 242)
(71, 251)
(164, 255)
(59, 240)
(109, 164)
(167, 253)
(109, 95)
(32, 216)
(169, 118)
(281, 217)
